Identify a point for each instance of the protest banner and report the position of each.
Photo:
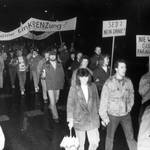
(113, 28)
(143, 46)
(42, 36)
(39, 25)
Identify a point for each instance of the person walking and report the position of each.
(83, 64)
(21, 63)
(82, 109)
(95, 58)
(102, 72)
(12, 68)
(144, 91)
(2, 66)
(42, 74)
(116, 102)
(54, 78)
(33, 63)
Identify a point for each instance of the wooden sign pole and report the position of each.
(60, 37)
(112, 55)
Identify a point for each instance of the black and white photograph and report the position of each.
(74, 75)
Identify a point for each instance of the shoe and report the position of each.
(36, 89)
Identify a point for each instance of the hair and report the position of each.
(84, 57)
(45, 51)
(54, 48)
(101, 59)
(83, 72)
(97, 47)
(116, 64)
(72, 53)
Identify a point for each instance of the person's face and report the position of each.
(19, 53)
(79, 55)
(11, 54)
(52, 57)
(46, 55)
(98, 50)
(72, 56)
(34, 53)
(65, 47)
(83, 80)
(84, 63)
(106, 61)
(121, 69)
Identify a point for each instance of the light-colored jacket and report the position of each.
(144, 87)
(1, 63)
(117, 97)
(143, 142)
(24, 63)
(84, 114)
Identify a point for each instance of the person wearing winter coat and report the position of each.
(54, 78)
(33, 63)
(3, 57)
(102, 72)
(82, 109)
(21, 63)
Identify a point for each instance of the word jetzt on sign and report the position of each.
(114, 28)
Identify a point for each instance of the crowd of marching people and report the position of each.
(95, 96)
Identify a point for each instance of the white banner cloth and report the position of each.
(39, 25)
(42, 36)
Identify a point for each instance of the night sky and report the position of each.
(90, 14)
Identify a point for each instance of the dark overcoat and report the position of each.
(54, 77)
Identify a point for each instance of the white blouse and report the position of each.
(85, 92)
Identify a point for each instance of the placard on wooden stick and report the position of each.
(114, 28)
(143, 46)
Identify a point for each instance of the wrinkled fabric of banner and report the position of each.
(41, 26)
(42, 36)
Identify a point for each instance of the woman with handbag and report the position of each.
(82, 109)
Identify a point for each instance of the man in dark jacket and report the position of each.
(95, 58)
